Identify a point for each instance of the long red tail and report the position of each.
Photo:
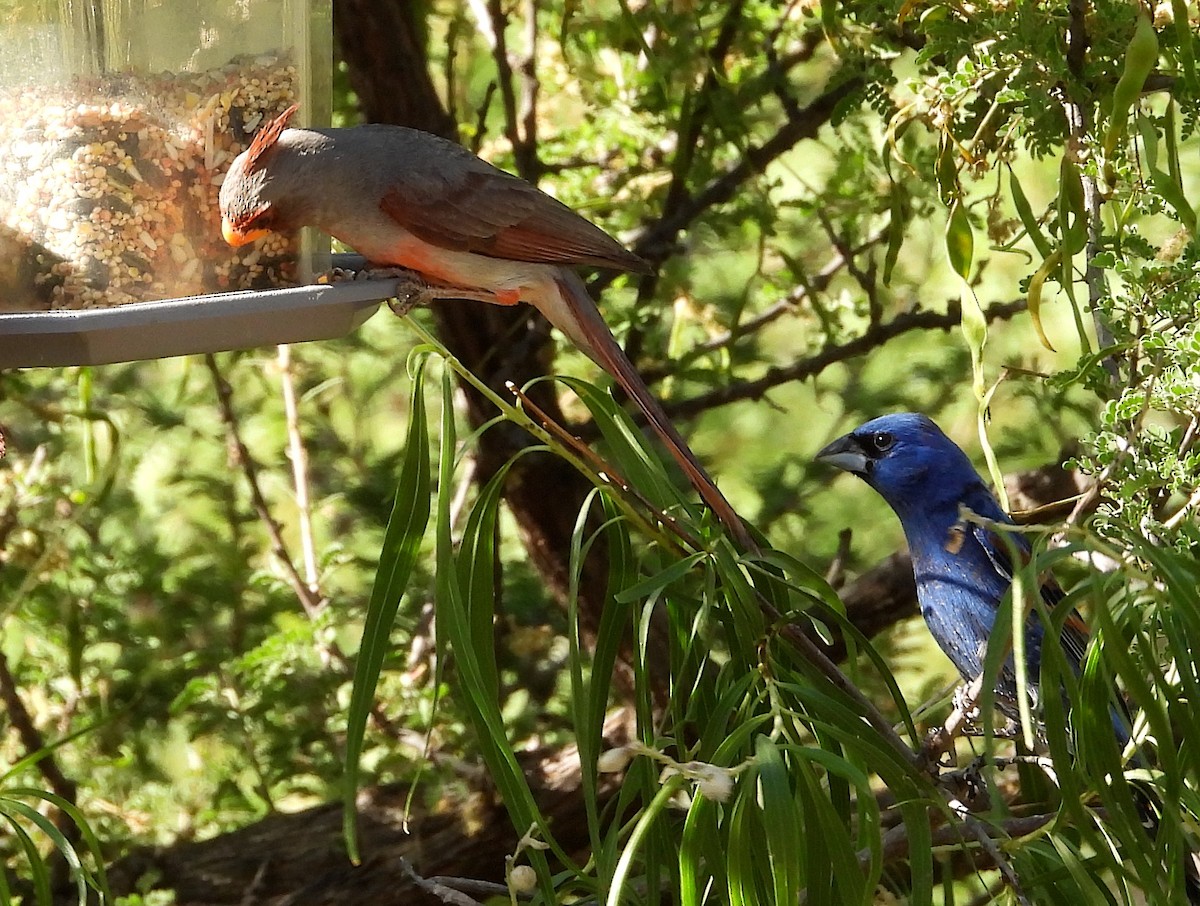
(592, 335)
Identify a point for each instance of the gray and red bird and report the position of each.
(406, 198)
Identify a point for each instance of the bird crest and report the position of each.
(267, 136)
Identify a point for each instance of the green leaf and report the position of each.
(920, 849)
(1034, 296)
(1184, 37)
(33, 858)
(657, 583)
(1141, 55)
(1164, 183)
(401, 542)
(960, 240)
(900, 209)
(1033, 229)
(14, 809)
(780, 821)
(98, 879)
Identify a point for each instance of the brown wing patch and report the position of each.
(267, 136)
(488, 212)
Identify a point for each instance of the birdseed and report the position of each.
(109, 186)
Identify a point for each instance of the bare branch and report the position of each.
(312, 602)
(773, 312)
(693, 119)
(299, 457)
(1077, 120)
(523, 141)
(529, 94)
(440, 890)
(657, 242)
(896, 842)
(866, 279)
(838, 352)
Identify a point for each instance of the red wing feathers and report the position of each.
(489, 212)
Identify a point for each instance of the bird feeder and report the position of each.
(118, 121)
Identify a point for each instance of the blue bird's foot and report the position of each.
(1010, 730)
(939, 744)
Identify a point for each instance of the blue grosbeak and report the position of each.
(963, 569)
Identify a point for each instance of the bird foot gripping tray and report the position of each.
(118, 121)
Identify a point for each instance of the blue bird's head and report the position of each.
(913, 465)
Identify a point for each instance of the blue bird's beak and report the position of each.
(845, 453)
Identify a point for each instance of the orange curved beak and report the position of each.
(236, 237)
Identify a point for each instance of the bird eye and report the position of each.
(881, 441)
(262, 219)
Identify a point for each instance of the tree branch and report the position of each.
(773, 312)
(657, 242)
(832, 354)
(520, 124)
(33, 742)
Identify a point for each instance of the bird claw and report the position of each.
(411, 288)
(1010, 730)
(939, 744)
(410, 293)
(965, 703)
(937, 750)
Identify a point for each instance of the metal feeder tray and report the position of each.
(195, 324)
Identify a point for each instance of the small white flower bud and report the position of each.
(614, 760)
(713, 782)
(522, 879)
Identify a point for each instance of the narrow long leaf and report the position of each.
(780, 820)
(37, 866)
(401, 542)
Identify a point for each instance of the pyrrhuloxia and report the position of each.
(410, 199)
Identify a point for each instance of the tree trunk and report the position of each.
(383, 44)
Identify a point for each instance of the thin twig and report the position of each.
(657, 241)
(524, 143)
(865, 279)
(815, 656)
(1077, 120)
(835, 575)
(694, 113)
(600, 465)
(896, 841)
(310, 600)
(773, 312)
(833, 354)
(481, 117)
(941, 740)
(440, 890)
(299, 458)
(983, 834)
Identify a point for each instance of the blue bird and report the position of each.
(962, 569)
